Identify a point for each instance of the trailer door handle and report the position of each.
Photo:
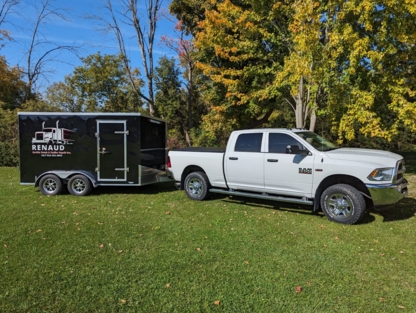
(233, 158)
(104, 151)
(272, 160)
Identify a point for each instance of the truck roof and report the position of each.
(294, 130)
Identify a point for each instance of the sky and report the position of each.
(78, 30)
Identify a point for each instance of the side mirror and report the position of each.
(294, 149)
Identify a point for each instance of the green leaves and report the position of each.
(100, 84)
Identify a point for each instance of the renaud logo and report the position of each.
(51, 141)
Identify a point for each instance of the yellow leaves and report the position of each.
(217, 302)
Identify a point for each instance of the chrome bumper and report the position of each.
(386, 195)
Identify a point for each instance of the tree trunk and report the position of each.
(190, 88)
(312, 121)
(299, 105)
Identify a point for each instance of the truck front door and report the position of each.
(286, 170)
(112, 150)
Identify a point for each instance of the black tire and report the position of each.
(79, 185)
(50, 185)
(343, 204)
(196, 186)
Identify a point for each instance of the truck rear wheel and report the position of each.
(343, 204)
(79, 185)
(196, 186)
(50, 185)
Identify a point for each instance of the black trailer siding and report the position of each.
(68, 142)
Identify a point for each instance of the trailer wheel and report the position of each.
(343, 204)
(196, 186)
(79, 185)
(50, 185)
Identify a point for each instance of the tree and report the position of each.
(12, 87)
(189, 13)
(173, 104)
(6, 7)
(145, 36)
(41, 51)
(371, 52)
(100, 84)
(242, 47)
(350, 61)
(186, 53)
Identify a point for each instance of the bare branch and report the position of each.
(40, 45)
(6, 8)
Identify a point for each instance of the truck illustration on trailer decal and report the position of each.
(51, 135)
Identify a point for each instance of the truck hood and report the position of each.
(365, 155)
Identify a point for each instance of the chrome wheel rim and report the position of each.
(50, 185)
(78, 185)
(195, 187)
(339, 205)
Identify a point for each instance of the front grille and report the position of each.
(400, 170)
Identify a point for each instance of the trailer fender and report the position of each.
(66, 175)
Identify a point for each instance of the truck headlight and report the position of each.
(381, 174)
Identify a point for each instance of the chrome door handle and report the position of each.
(104, 151)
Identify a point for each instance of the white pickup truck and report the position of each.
(296, 166)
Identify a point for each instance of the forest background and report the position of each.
(344, 69)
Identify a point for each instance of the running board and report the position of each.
(262, 196)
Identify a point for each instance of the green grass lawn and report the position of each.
(150, 249)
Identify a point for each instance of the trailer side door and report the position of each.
(112, 150)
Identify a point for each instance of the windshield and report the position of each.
(318, 142)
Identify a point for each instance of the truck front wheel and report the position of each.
(50, 185)
(196, 186)
(343, 204)
(79, 185)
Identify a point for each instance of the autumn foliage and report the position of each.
(346, 65)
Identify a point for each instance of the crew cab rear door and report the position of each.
(286, 170)
(243, 162)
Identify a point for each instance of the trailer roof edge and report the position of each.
(92, 113)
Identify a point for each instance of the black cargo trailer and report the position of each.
(85, 150)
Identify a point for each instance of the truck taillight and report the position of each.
(169, 164)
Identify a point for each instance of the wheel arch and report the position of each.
(190, 169)
(66, 175)
(342, 179)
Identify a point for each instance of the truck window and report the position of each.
(249, 142)
(278, 143)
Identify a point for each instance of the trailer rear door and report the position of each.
(112, 150)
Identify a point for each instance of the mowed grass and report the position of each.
(151, 249)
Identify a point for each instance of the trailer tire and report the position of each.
(343, 204)
(79, 185)
(50, 185)
(196, 186)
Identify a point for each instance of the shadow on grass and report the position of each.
(146, 189)
(404, 210)
(267, 204)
